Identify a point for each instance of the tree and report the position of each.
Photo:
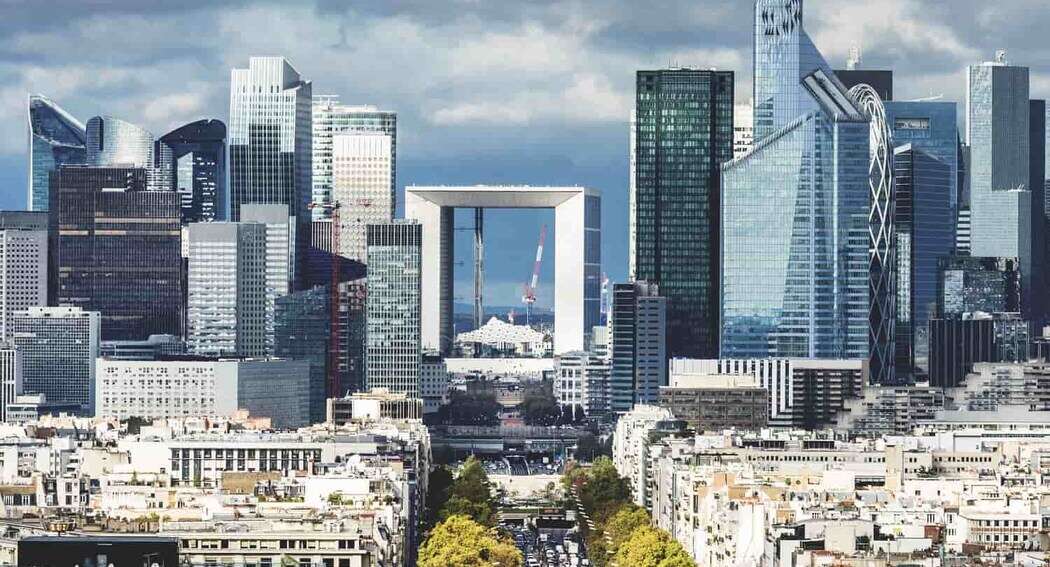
(474, 408)
(539, 406)
(470, 495)
(604, 491)
(649, 547)
(439, 488)
(463, 542)
(624, 522)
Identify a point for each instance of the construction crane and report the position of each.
(332, 382)
(529, 297)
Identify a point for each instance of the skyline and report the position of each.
(562, 74)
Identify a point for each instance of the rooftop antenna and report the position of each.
(854, 58)
(1000, 56)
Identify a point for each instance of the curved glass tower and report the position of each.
(55, 138)
(795, 229)
(112, 141)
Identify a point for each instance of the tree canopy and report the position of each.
(650, 547)
(462, 542)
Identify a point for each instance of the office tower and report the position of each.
(956, 344)
(795, 228)
(931, 127)
(196, 156)
(581, 383)
(717, 403)
(1037, 182)
(152, 348)
(55, 139)
(115, 142)
(303, 332)
(803, 393)
(393, 339)
(879, 80)
(59, 346)
(997, 131)
(362, 174)
(683, 134)
(881, 236)
(638, 351)
(23, 263)
(969, 285)
(925, 238)
(331, 118)
(10, 376)
(280, 255)
(270, 144)
(117, 250)
(226, 285)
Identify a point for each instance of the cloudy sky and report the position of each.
(487, 91)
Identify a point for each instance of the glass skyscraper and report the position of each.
(331, 118)
(1002, 215)
(196, 154)
(115, 142)
(394, 334)
(55, 138)
(795, 229)
(117, 250)
(683, 132)
(924, 224)
(929, 126)
(270, 142)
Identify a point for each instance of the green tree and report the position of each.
(462, 542)
(624, 522)
(650, 547)
(470, 495)
(439, 488)
(604, 491)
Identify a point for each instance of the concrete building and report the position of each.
(716, 403)
(577, 249)
(163, 389)
(581, 380)
(10, 377)
(803, 393)
(433, 382)
(23, 263)
(393, 341)
(227, 295)
(59, 346)
(638, 348)
(376, 405)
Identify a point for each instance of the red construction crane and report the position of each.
(332, 381)
(529, 297)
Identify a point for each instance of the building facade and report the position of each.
(170, 389)
(968, 284)
(10, 376)
(269, 137)
(795, 210)
(195, 154)
(717, 403)
(56, 138)
(280, 256)
(303, 332)
(117, 250)
(638, 346)
(393, 347)
(925, 238)
(112, 142)
(226, 289)
(362, 186)
(683, 132)
(581, 383)
(58, 346)
(1001, 209)
(331, 118)
(23, 263)
(956, 344)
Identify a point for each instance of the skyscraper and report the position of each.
(197, 154)
(55, 139)
(23, 263)
(931, 127)
(115, 142)
(226, 309)
(393, 338)
(925, 237)
(331, 118)
(280, 256)
(362, 185)
(683, 133)
(795, 229)
(302, 332)
(638, 349)
(1001, 209)
(117, 250)
(59, 346)
(879, 80)
(269, 137)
